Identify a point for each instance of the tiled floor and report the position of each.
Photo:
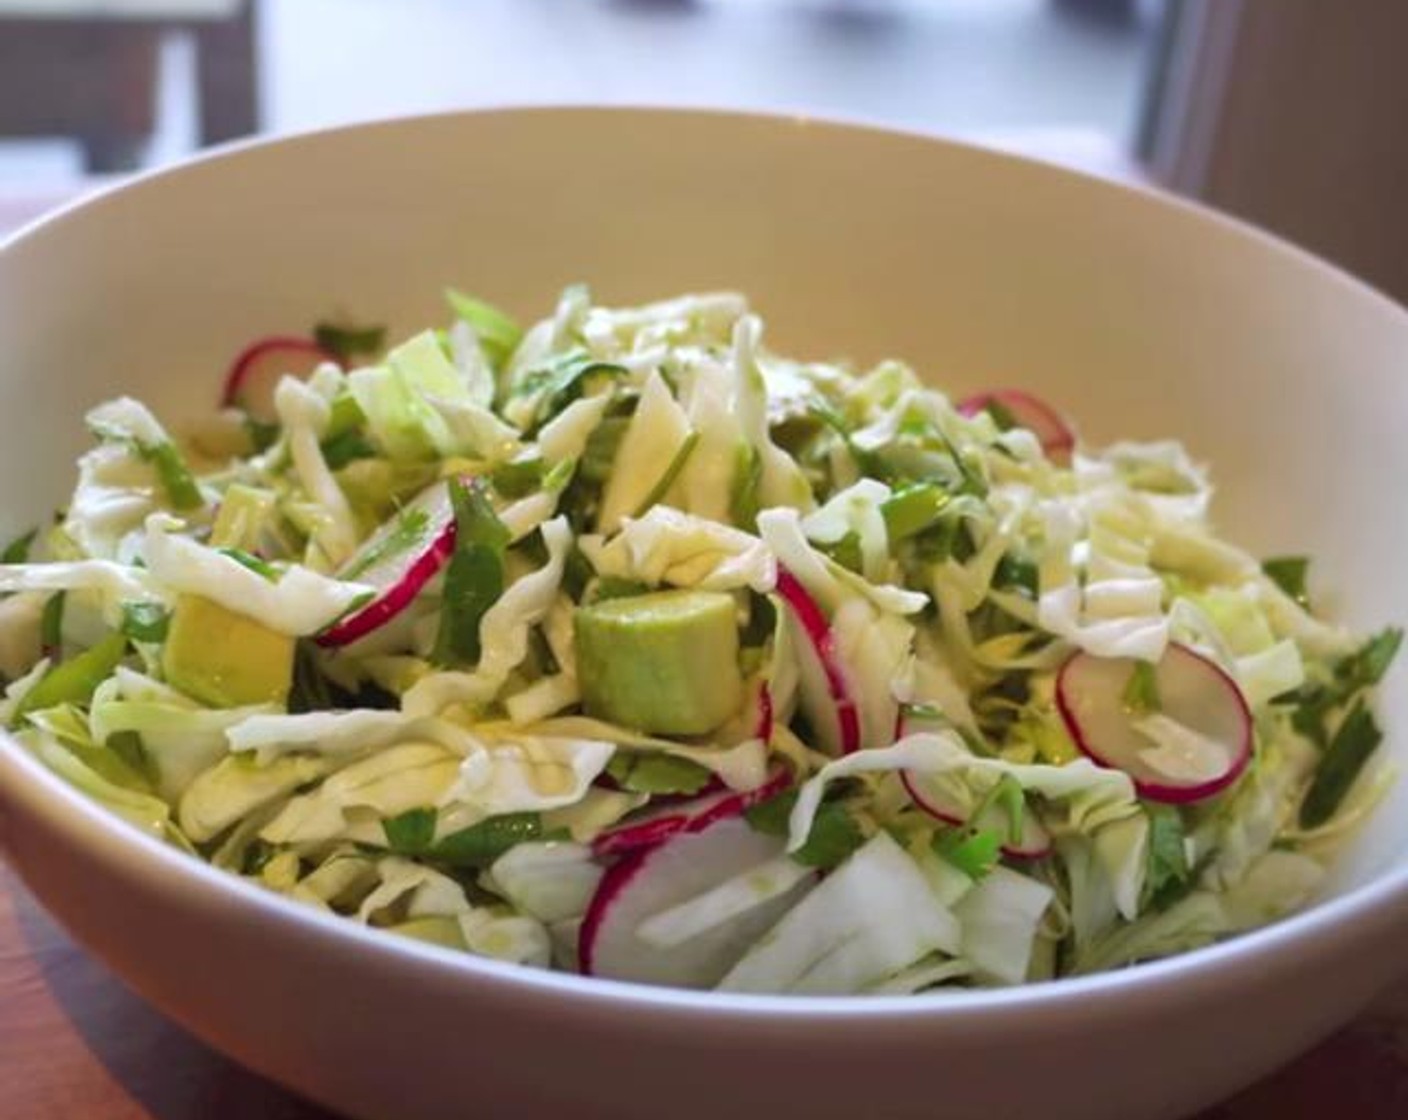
(959, 66)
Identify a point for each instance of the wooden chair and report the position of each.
(89, 69)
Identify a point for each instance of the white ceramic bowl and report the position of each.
(1138, 314)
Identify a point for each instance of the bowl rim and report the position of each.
(144, 857)
(971, 146)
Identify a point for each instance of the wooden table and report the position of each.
(76, 1044)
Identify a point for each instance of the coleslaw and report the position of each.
(624, 645)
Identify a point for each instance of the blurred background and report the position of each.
(1289, 112)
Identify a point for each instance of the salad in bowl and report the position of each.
(624, 645)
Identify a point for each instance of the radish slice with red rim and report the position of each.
(655, 881)
(661, 822)
(812, 619)
(1027, 411)
(398, 560)
(931, 793)
(762, 707)
(1195, 745)
(257, 369)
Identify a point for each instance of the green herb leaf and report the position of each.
(497, 333)
(411, 833)
(409, 532)
(17, 551)
(562, 380)
(145, 622)
(666, 480)
(344, 415)
(259, 853)
(912, 509)
(309, 691)
(482, 843)
(517, 478)
(846, 551)
(834, 836)
(973, 853)
(346, 341)
(1367, 665)
(616, 587)
(347, 447)
(743, 500)
(75, 680)
(176, 479)
(1313, 705)
(1141, 691)
(1355, 741)
(1001, 415)
(761, 624)
(475, 519)
(1017, 573)
(599, 456)
(1009, 796)
(656, 773)
(949, 539)
(868, 462)
(262, 433)
(255, 564)
(127, 745)
(577, 573)
(1167, 874)
(835, 833)
(1289, 574)
(1360, 671)
(51, 624)
(474, 577)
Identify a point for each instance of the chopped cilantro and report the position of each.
(474, 577)
(1357, 737)
(1167, 874)
(145, 622)
(346, 342)
(973, 853)
(1289, 574)
(834, 835)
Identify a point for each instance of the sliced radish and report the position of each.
(1032, 413)
(257, 369)
(398, 560)
(675, 816)
(931, 794)
(677, 879)
(762, 724)
(1195, 745)
(757, 884)
(814, 624)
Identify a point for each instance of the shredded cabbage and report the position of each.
(885, 586)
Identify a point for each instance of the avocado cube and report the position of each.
(223, 658)
(665, 663)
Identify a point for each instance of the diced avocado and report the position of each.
(223, 658)
(664, 663)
